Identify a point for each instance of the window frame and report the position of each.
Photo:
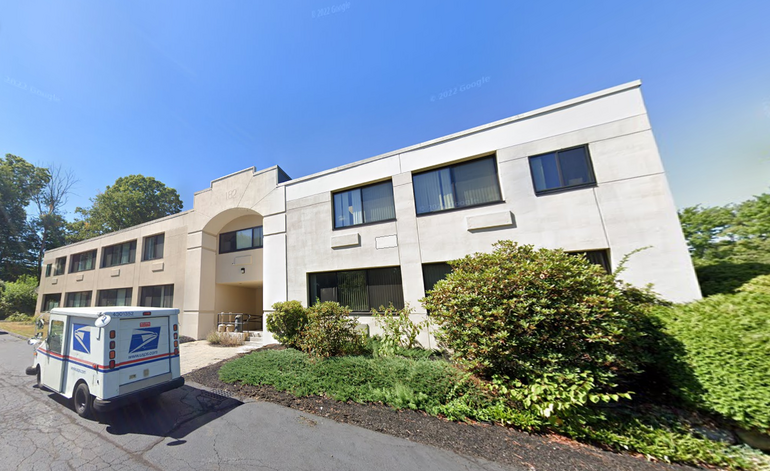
(589, 168)
(336, 273)
(74, 266)
(253, 247)
(100, 293)
(89, 293)
(46, 297)
(360, 190)
(60, 270)
(163, 295)
(146, 245)
(111, 249)
(451, 167)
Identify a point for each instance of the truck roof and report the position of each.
(114, 311)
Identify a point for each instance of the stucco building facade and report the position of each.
(583, 175)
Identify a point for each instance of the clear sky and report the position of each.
(189, 91)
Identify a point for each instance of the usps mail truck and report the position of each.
(106, 357)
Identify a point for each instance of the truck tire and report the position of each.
(82, 400)
(39, 379)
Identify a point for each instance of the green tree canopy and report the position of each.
(729, 244)
(132, 200)
(20, 181)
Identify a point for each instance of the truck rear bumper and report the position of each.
(105, 405)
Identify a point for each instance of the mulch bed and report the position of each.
(503, 445)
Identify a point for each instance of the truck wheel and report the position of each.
(83, 400)
(39, 380)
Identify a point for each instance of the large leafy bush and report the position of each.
(330, 331)
(551, 329)
(287, 322)
(726, 340)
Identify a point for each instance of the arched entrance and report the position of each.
(225, 263)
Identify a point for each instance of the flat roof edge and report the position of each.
(547, 109)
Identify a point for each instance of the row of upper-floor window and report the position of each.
(366, 289)
(149, 296)
(462, 185)
(113, 255)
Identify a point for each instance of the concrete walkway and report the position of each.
(194, 355)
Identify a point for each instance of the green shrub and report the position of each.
(19, 317)
(287, 322)
(726, 340)
(399, 331)
(18, 296)
(726, 276)
(523, 313)
(330, 332)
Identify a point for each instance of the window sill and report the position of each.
(462, 208)
(565, 189)
(354, 226)
(239, 250)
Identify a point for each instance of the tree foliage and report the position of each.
(132, 200)
(20, 181)
(18, 297)
(729, 244)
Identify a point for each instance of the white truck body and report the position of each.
(121, 354)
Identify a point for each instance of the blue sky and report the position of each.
(188, 91)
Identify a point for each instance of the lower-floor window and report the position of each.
(597, 257)
(114, 297)
(51, 301)
(360, 290)
(157, 296)
(432, 273)
(79, 299)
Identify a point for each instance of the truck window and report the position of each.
(55, 335)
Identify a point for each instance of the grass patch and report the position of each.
(25, 329)
(440, 389)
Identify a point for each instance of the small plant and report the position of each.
(330, 332)
(287, 322)
(214, 338)
(398, 329)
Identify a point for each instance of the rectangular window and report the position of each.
(114, 297)
(59, 266)
(48, 270)
(79, 299)
(153, 247)
(83, 261)
(568, 168)
(597, 257)
(364, 205)
(51, 301)
(243, 239)
(360, 290)
(119, 254)
(432, 273)
(157, 296)
(458, 186)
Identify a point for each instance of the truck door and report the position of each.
(143, 351)
(53, 368)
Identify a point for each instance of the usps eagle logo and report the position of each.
(144, 339)
(81, 338)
